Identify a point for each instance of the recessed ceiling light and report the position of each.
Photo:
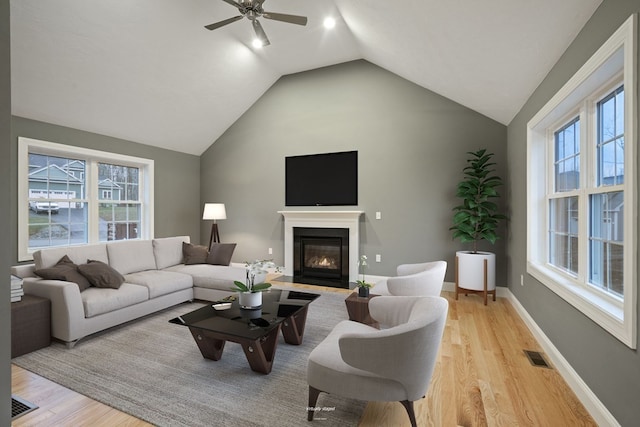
(257, 43)
(329, 22)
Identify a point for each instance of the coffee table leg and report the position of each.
(210, 347)
(293, 327)
(260, 353)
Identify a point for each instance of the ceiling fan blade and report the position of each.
(260, 33)
(223, 23)
(291, 19)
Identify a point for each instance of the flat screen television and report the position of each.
(329, 179)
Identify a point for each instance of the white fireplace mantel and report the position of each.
(323, 219)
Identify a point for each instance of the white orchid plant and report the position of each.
(254, 268)
(362, 263)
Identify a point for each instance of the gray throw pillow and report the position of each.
(101, 275)
(65, 270)
(194, 254)
(220, 253)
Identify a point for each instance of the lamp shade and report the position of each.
(214, 211)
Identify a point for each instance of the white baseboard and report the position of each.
(593, 405)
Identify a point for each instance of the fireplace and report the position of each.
(321, 256)
(349, 220)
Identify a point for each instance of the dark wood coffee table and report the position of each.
(255, 330)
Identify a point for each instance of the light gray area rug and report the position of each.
(153, 370)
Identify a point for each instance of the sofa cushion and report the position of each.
(194, 254)
(211, 276)
(104, 300)
(65, 270)
(101, 275)
(168, 251)
(46, 258)
(160, 282)
(220, 253)
(129, 256)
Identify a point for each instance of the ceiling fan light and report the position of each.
(329, 22)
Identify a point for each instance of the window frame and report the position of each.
(92, 158)
(615, 63)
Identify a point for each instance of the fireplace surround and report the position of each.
(349, 220)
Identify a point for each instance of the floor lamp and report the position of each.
(214, 211)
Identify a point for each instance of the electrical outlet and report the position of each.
(522, 280)
(270, 251)
(378, 258)
(378, 215)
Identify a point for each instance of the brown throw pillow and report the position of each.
(101, 275)
(65, 270)
(194, 254)
(220, 253)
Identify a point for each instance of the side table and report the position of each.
(358, 309)
(30, 325)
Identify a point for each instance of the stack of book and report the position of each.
(16, 289)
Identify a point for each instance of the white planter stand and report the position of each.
(476, 273)
(250, 300)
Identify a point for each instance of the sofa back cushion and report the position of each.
(130, 256)
(168, 251)
(47, 258)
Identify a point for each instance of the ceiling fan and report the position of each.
(252, 9)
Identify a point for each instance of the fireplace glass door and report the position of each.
(321, 256)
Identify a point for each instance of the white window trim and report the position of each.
(615, 316)
(25, 145)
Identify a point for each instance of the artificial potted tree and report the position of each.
(477, 219)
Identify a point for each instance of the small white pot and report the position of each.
(250, 300)
(471, 270)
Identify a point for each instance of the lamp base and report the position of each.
(215, 235)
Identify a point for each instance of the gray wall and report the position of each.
(411, 146)
(5, 209)
(177, 175)
(608, 367)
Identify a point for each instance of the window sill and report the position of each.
(604, 311)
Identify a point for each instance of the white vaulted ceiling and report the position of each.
(148, 71)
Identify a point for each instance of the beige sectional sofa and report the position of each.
(155, 278)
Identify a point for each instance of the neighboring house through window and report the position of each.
(71, 196)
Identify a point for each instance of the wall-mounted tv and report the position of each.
(329, 179)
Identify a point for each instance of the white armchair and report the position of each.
(424, 279)
(394, 364)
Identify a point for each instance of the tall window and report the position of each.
(605, 196)
(563, 203)
(581, 178)
(606, 227)
(72, 196)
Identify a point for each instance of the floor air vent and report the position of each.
(536, 359)
(20, 407)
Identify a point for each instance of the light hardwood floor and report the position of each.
(482, 378)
